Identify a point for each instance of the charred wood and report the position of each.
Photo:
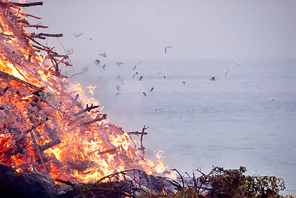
(37, 26)
(137, 133)
(31, 128)
(49, 145)
(44, 35)
(27, 4)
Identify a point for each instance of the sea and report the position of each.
(201, 116)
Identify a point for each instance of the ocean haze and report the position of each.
(195, 29)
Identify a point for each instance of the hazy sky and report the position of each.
(141, 29)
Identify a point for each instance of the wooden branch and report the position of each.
(65, 182)
(44, 35)
(27, 4)
(31, 128)
(39, 152)
(74, 100)
(75, 120)
(102, 152)
(23, 21)
(11, 77)
(37, 26)
(137, 133)
(49, 145)
(87, 109)
(29, 15)
(10, 36)
(96, 120)
(54, 63)
(141, 141)
(107, 151)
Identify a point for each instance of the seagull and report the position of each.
(104, 67)
(97, 61)
(165, 76)
(144, 93)
(228, 70)
(238, 63)
(137, 64)
(165, 49)
(141, 78)
(103, 54)
(184, 82)
(213, 78)
(271, 99)
(77, 35)
(118, 87)
(135, 74)
(156, 110)
(119, 63)
(151, 89)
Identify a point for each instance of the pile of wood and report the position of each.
(40, 111)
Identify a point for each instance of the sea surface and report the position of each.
(246, 118)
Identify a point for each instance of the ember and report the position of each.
(46, 124)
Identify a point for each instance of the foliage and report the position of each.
(219, 183)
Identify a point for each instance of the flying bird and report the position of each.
(137, 64)
(118, 87)
(238, 63)
(271, 99)
(213, 78)
(97, 61)
(151, 89)
(77, 35)
(184, 82)
(103, 54)
(135, 74)
(141, 78)
(228, 70)
(165, 49)
(119, 63)
(156, 110)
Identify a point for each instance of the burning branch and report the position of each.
(11, 77)
(30, 129)
(39, 152)
(98, 119)
(87, 109)
(49, 145)
(103, 152)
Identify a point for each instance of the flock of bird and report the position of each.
(136, 74)
(139, 77)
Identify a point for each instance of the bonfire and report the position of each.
(48, 125)
(56, 142)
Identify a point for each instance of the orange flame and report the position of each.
(38, 106)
